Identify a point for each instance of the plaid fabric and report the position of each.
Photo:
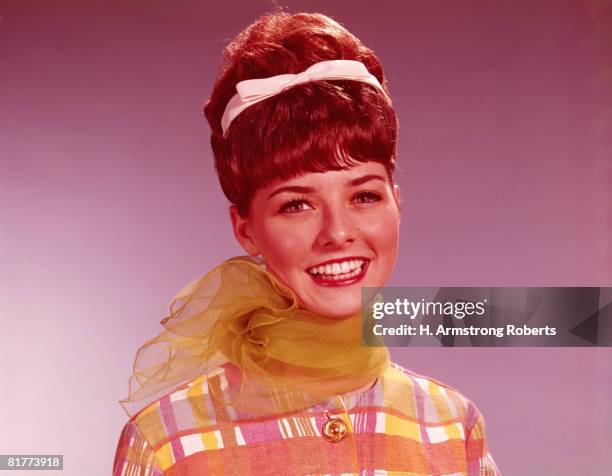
(405, 424)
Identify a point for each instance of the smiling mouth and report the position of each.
(340, 272)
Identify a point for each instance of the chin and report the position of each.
(341, 317)
(338, 309)
(333, 302)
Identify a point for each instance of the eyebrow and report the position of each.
(365, 178)
(302, 189)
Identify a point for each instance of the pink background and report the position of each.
(110, 203)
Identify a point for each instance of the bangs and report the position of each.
(315, 127)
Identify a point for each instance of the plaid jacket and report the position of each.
(405, 424)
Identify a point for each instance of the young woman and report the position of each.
(261, 369)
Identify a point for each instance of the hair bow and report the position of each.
(252, 91)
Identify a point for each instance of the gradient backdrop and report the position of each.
(110, 204)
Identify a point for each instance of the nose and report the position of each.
(336, 229)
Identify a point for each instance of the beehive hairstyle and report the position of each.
(313, 127)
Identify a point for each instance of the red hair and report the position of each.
(313, 127)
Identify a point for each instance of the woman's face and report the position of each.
(326, 235)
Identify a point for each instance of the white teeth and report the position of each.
(342, 269)
(351, 274)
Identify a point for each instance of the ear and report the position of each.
(242, 232)
(396, 194)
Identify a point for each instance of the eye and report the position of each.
(294, 206)
(367, 197)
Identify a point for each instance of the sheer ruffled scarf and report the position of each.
(289, 358)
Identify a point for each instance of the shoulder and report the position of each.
(146, 442)
(426, 399)
(187, 406)
(133, 453)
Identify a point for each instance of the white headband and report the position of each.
(252, 91)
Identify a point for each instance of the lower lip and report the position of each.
(341, 282)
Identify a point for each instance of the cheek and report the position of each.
(382, 231)
(283, 245)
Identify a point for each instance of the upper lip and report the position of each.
(338, 260)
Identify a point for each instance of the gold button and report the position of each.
(334, 430)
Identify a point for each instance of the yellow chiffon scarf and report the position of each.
(289, 358)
